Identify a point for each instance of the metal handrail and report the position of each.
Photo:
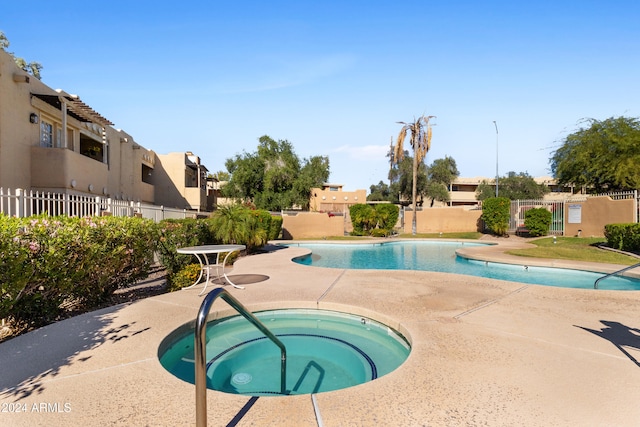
(631, 267)
(201, 351)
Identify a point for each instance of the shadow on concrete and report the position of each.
(31, 360)
(243, 412)
(241, 279)
(624, 337)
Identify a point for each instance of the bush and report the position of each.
(496, 214)
(624, 237)
(363, 218)
(376, 221)
(387, 215)
(379, 232)
(180, 233)
(275, 228)
(240, 225)
(185, 277)
(50, 265)
(537, 221)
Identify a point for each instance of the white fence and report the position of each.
(22, 203)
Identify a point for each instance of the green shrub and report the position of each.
(379, 232)
(387, 215)
(624, 237)
(54, 264)
(15, 267)
(187, 276)
(537, 221)
(363, 218)
(180, 233)
(241, 225)
(496, 214)
(376, 221)
(228, 224)
(275, 228)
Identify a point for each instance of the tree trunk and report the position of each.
(414, 191)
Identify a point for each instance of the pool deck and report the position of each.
(484, 352)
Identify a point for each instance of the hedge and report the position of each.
(496, 213)
(537, 221)
(51, 265)
(624, 237)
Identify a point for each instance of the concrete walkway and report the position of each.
(484, 352)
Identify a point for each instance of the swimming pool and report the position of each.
(325, 351)
(441, 256)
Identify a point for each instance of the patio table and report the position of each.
(202, 254)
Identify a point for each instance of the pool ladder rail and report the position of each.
(201, 350)
(622, 270)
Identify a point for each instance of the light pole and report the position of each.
(496, 125)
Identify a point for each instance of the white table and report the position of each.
(202, 254)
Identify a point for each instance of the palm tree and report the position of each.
(420, 140)
(229, 224)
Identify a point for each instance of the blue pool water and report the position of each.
(326, 351)
(440, 256)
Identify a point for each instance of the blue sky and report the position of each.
(335, 77)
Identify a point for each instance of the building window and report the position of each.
(91, 148)
(147, 174)
(46, 134)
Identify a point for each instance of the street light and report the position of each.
(496, 125)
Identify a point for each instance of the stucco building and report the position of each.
(52, 141)
(181, 181)
(462, 191)
(332, 198)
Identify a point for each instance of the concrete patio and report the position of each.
(484, 352)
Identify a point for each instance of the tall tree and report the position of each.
(441, 174)
(379, 192)
(273, 177)
(514, 186)
(604, 156)
(419, 133)
(401, 177)
(221, 176)
(314, 172)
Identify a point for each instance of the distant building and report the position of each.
(181, 181)
(332, 198)
(462, 191)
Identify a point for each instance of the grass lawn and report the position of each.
(574, 248)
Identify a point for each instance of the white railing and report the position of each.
(619, 195)
(21, 203)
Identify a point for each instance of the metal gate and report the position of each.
(519, 207)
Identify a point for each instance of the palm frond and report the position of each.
(398, 153)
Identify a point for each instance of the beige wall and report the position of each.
(58, 168)
(305, 225)
(171, 175)
(318, 225)
(17, 134)
(443, 220)
(25, 164)
(595, 213)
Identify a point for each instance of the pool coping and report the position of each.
(484, 351)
